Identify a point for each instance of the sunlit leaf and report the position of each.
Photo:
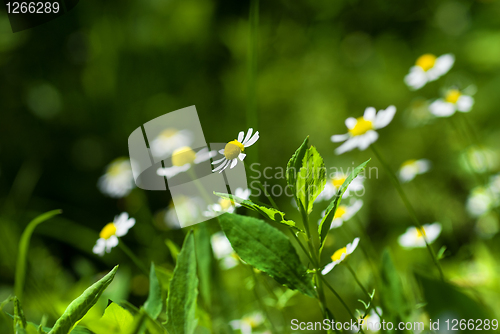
(294, 165)
(80, 306)
(154, 303)
(311, 178)
(326, 221)
(271, 213)
(181, 301)
(116, 320)
(267, 249)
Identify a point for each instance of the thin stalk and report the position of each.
(251, 110)
(409, 207)
(132, 256)
(360, 285)
(340, 300)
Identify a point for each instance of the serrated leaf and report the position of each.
(271, 213)
(311, 178)
(326, 221)
(181, 301)
(81, 305)
(116, 320)
(267, 249)
(154, 303)
(294, 164)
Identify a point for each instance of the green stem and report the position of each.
(408, 206)
(360, 285)
(132, 256)
(340, 299)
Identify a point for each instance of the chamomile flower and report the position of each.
(227, 205)
(481, 200)
(453, 101)
(411, 168)
(334, 184)
(118, 180)
(344, 213)
(248, 323)
(428, 68)
(170, 140)
(414, 236)
(362, 129)
(183, 158)
(234, 150)
(108, 237)
(223, 250)
(340, 255)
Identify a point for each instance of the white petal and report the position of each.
(465, 103)
(100, 247)
(247, 137)
(241, 135)
(349, 145)
(432, 231)
(252, 140)
(221, 151)
(352, 246)
(221, 166)
(423, 165)
(416, 78)
(350, 122)
(441, 108)
(384, 117)
(369, 114)
(328, 268)
(111, 242)
(241, 156)
(444, 63)
(123, 228)
(218, 161)
(233, 163)
(367, 139)
(339, 138)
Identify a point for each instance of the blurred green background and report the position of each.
(72, 91)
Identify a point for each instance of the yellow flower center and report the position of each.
(225, 204)
(452, 96)
(338, 254)
(408, 163)
(362, 126)
(182, 156)
(420, 232)
(115, 169)
(338, 181)
(108, 231)
(341, 210)
(427, 61)
(233, 149)
(168, 133)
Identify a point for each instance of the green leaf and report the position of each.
(311, 178)
(204, 258)
(19, 318)
(172, 247)
(154, 303)
(294, 165)
(267, 249)
(23, 250)
(326, 221)
(394, 300)
(440, 255)
(80, 306)
(271, 213)
(181, 301)
(116, 320)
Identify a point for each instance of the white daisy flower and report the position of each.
(227, 205)
(334, 184)
(170, 140)
(183, 158)
(344, 213)
(186, 210)
(411, 168)
(118, 180)
(428, 68)
(234, 150)
(223, 250)
(480, 159)
(248, 323)
(495, 184)
(108, 237)
(481, 200)
(340, 255)
(362, 130)
(454, 100)
(414, 237)
(372, 321)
